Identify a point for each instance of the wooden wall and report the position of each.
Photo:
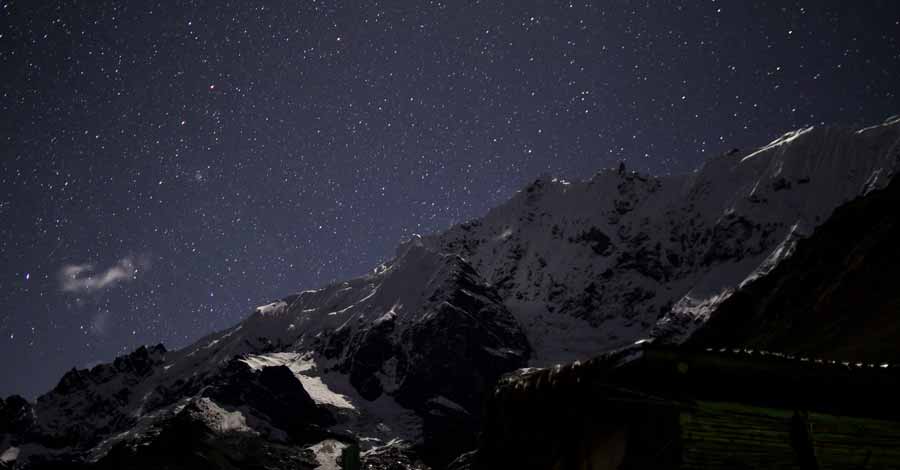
(717, 435)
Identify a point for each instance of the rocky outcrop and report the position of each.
(205, 435)
(90, 404)
(273, 395)
(16, 416)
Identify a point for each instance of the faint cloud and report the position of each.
(82, 278)
(100, 323)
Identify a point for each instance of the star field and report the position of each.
(165, 167)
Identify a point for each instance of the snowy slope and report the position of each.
(560, 272)
(600, 263)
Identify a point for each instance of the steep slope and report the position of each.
(835, 297)
(597, 264)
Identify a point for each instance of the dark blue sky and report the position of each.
(166, 167)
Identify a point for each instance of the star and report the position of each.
(323, 134)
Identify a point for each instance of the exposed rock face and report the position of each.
(16, 416)
(129, 415)
(463, 322)
(203, 435)
(835, 297)
(397, 456)
(436, 352)
(88, 405)
(275, 396)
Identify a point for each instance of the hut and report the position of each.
(662, 407)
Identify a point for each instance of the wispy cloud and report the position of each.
(81, 278)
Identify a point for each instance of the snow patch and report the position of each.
(304, 368)
(388, 316)
(9, 455)
(273, 308)
(328, 454)
(219, 419)
(785, 139)
(323, 395)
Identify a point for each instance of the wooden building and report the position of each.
(651, 407)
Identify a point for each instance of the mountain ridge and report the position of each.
(560, 272)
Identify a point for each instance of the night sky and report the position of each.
(165, 168)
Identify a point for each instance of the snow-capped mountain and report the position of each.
(600, 263)
(406, 353)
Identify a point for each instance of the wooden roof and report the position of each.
(674, 376)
